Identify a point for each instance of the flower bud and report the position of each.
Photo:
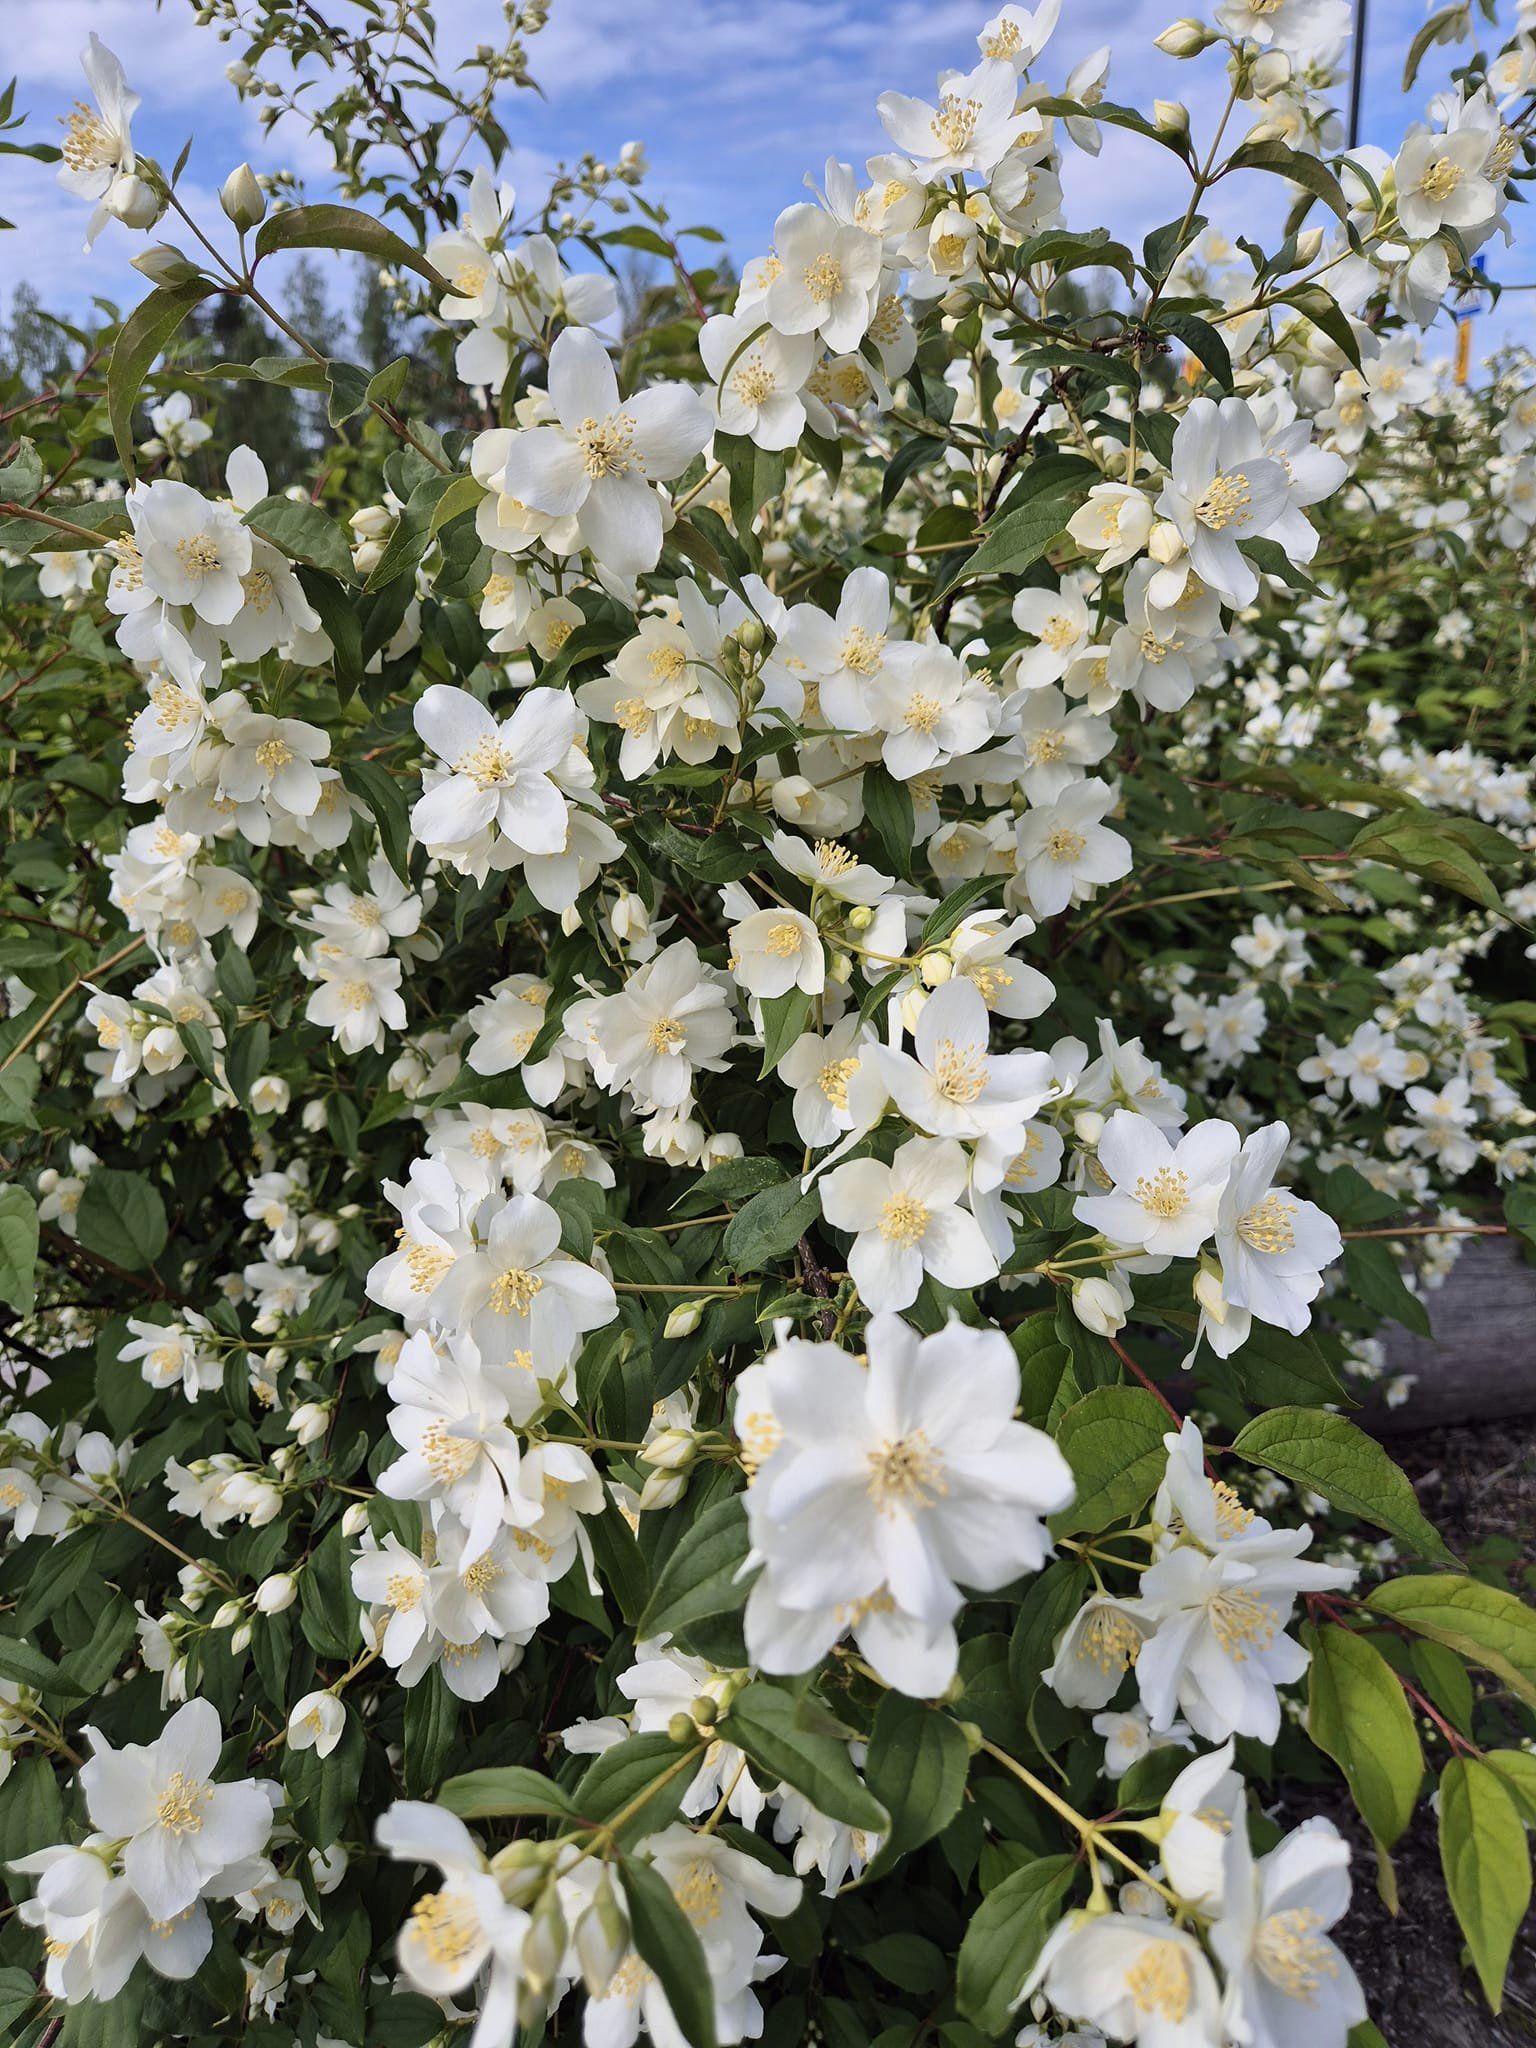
(705, 1710)
(684, 1319)
(355, 1520)
(545, 1944)
(1209, 1295)
(312, 1116)
(750, 636)
(241, 1639)
(242, 198)
(133, 202)
(309, 1421)
(270, 1095)
(227, 1615)
(1185, 38)
(674, 1450)
(680, 1729)
(720, 1146)
(840, 969)
(935, 969)
(860, 918)
(662, 1490)
(1098, 1306)
(1088, 1126)
(276, 1593)
(1165, 543)
(165, 264)
(1171, 116)
(602, 1938)
(1309, 246)
(1271, 73)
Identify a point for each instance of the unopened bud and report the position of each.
(935, 969)
(1209, 1295)
(673, 1450)
(684, 1319)
(662, 1490)
(1088, 1126)
(165, 264)
(1271, 73)
(1098, 1306)
(705, 1710)
(276, 1593)
(860, 918)
(750, 636)
(680, 1729)
(242, 198)
(355, 1520)
(840, 969)
(1171, 116)
(602, 1938)
(228, 1614)
(241, 1639)
(133, 202)
(1309, 246)
(1185, 38)
(544, 1946)
(1165, 543)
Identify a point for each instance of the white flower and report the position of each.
(714, 1884)
(499, 774)
(1064, 849)
(316, 1722)
(826, 280)
(1164, 1196)
(195, 551)
(1130, 1736)
(1441, 183)
(929, 707)
(1271, 1244)
(1096, 1649)
(182, 1831)
(358, 1001)
(918, 1464)
(1112, 524)
(1222, 488)
(1288, 1986)
(464, 1928)
(98, 148)
(954, 1087)
(518, 1292)
(837, 1082)
(603, 458)
(773, 951)
(1055, 745)
(1138, 1979)
(1222, 1597)
(972, 128)
(758, 376)
(670, 1018)
(907, 1220)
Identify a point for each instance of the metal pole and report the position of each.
(1357, 74)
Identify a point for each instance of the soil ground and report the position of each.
(1475, 1484)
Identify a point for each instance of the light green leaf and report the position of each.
(505, 1790)
(304, 533)
(1358, 1713)
(1487, 1865)
(1332, 1457)
(1482, 1623)
(141, 340)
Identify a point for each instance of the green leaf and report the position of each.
(1308, 171)
(1053, 1598)
(1004, 1940)
(941, 922)
(917, 1766)
(888, 806)
(1018, 539)
(304, 533)
(1371, 1271)
(505, 1790)
(700, 1577)
(1487, 1865)
(1202, 339)
(1334, 1458)
(728, 1182)
(1517, 1769)
(664, 1938)
(431, 1730)
(650, 1769)
(1482, 1623)
(1358, 1713)
(391, 813)
(1113, 1440)
(18, 1248)
(784, 1019)
(341, 227)
(141, 340)
(769, 1225)
(762, 1721)
(122, 1218)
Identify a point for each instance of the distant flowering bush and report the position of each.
(715, 1060)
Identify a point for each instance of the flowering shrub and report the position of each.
(662, 1021)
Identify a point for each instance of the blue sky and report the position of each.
(736, 101)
